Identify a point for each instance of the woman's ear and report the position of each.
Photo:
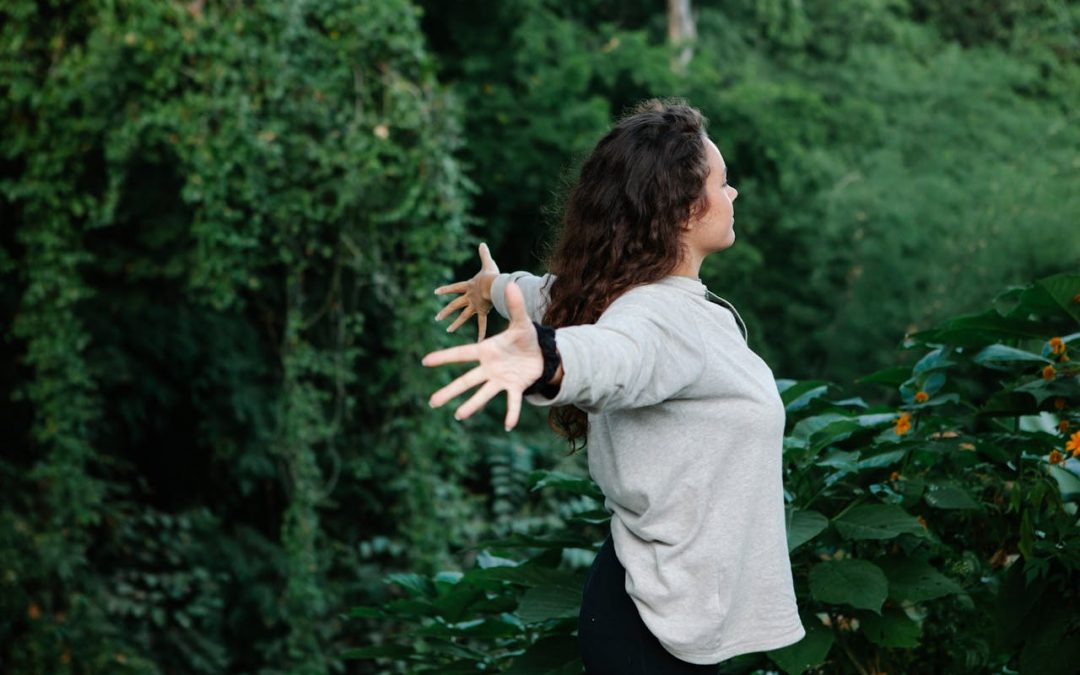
(697, 209)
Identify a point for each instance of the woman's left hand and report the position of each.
(509, 361)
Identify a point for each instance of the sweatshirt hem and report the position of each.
(744, 647)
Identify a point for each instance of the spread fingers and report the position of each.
(451, 306)
(465, 314)
(513, 408)
(470, 352)
(477, 400)
(458, 386)
(459, 287)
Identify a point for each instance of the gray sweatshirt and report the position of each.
(685, 436)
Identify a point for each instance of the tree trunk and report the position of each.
(682, 32)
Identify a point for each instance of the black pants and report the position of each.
(611, 634)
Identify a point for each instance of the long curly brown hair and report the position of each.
(622, 220)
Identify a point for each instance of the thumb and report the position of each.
(486, 263)
(515, 304)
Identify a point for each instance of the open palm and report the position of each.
(510, 361)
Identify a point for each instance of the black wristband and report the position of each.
(545, 335)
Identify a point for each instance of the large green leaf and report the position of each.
(809, 652)
(982, 329)
(891, 629)
(948, 495)
(859, 583)
(834, 432)
(877, 521)
(916, 580)
(549, 602)
(892, 376)
(503, 625)
(1042, 389)
(582, 485)
(798, 396)
(1062, 289)
(454, 602)
(418, 585)
(554, 655)
(882, 459)
(934, 359)
(802, 526)
(528, 575)
(1003, 357)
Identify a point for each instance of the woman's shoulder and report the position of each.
(654, 301)
(658, 295)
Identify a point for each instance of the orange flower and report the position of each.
(1073, 445)
(1059, 403)
(920, 397)
(903, 424)
(1056, 457)
(33, 611)
(1057, 346)
(922, 521)
(1076, 299)
(1063, 426)
(894, 476)
(1048, 373)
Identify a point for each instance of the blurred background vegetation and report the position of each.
(222, 224)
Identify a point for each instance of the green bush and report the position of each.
(220, 221)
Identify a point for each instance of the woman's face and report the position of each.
(714, 229)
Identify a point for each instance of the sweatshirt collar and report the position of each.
(690, 283)
(696, 286)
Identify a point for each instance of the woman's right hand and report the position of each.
(475, 298)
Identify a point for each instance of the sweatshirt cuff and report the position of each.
(498, 293)
(570, 353)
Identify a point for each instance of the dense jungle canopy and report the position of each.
(221, 224)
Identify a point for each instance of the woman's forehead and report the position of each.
(714, 155)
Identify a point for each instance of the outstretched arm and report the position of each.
(633, 357)
(533, 288)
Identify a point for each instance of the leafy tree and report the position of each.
(213, 294)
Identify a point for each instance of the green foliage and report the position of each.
(939, 535)
(212, 293)
(221, 228)
(888, 176)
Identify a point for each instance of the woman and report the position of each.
(683, 422)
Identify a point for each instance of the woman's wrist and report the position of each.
(551, 376)
(484, 282)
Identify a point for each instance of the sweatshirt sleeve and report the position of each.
(638, 354)
(534, 289)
